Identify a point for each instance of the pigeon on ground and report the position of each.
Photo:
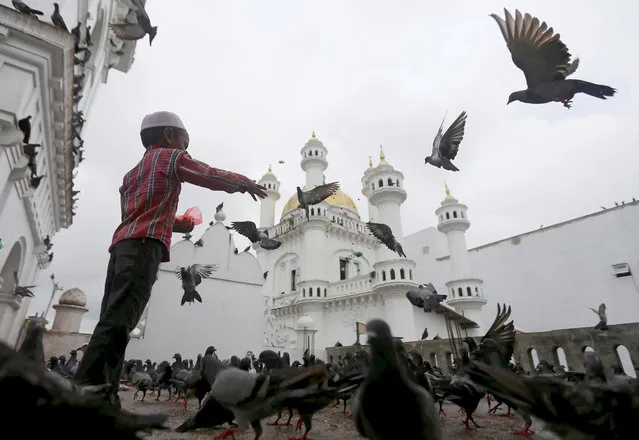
(136, 31)
(57, 19)
(21, 291)
(545, 61)
(315, 195)
(253, 397)
(588, 410)
(426, 297)
(36, 393)
(25, 127)
(385, 235)
(412, 404)
(446, 146)
(250, 231)
(191, 277)
(210, 415)
(25, 9)
(603, 319)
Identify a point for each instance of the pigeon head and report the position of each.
(427, 160)
(516, 96)
(378, 331)
(152, 33)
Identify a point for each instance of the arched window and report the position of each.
(454, 214)
(459, 291)
(468, 291)
(312, 211)
(410, 274)
(380, 183)
(447, 216)
(303, 292)
(383, 275)
(392, 274)
(324, 292)
(319, 292)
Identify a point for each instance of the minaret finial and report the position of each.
(370, 161)
(448, 195)
(313, 135)
(270, 168)
(381, 153)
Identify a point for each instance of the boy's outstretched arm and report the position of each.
(198, 173)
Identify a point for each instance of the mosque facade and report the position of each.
(46, 74)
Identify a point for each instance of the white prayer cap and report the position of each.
(162, 119)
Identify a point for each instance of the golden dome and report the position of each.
(339, 198)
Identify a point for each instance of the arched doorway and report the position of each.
(11, 264)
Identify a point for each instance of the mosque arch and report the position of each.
(448, 216)
(380, 183)
(392, 274)
(13, 263)
(534, 357)
(402, 274)
(560, 358)
(383, 275)
(454, 214)
(625, 360)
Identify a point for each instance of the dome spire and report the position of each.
(382, 156)
(370, 161)
(448, 195)
(313, 135)
(270, 168)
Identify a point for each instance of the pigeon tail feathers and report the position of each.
(597, 90)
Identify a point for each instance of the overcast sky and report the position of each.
(252, 80)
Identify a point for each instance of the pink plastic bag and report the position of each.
(192, 213)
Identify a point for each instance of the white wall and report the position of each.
(551, 274)
(231, 316)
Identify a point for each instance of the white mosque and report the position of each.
(330, 274)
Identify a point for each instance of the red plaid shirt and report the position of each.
(150, 192)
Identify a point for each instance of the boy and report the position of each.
(149, 197)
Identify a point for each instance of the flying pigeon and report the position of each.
(603, 319)
(57, 19)
(219, 207)
(411, 403)
(191, 277)
(426, 297)
(136, 31)
(25, 9)
(424, 334)
(384, 234)
(315, 195)
(250, 231)
(265, 274)
(445, 146)
(25, 127)
(21, 291)
(545, 61)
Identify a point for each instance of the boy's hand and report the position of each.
(182, 226)
(254, 189)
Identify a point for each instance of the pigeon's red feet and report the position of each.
(493, 410)
(228, 433)
(567, 103)
(467, 422)
(488, 399)
(442, 413)
(152, 393)
(524, 432)
(298, 425)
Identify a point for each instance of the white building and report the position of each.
(330, 273)
(45, 76)
(231, 316)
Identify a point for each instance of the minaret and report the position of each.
(313, 283)
(267, 208)
(314, 162)
(465, 292)
(393, 274)
(366, 190)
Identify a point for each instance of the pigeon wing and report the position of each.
(247, 229)
(383, 233)
(128, 31)
(178, 273)
(535, 48)
(141, 11)
(498, 344)
(321, 192)
(200, 271)
(449, 144)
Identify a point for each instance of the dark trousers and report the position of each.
(132, 271)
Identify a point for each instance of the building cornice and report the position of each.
(57, 104)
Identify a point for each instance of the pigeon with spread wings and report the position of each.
(137, 30)
(315, 195)
(385, 235)
(539, 52)
(445, 146)
(191, 277)
(21, 291)
(250, 231)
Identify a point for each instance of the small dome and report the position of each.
(73, 297)
(219, 216)
(269, 175)
(305, 322)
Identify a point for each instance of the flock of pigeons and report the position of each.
(382, 386)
